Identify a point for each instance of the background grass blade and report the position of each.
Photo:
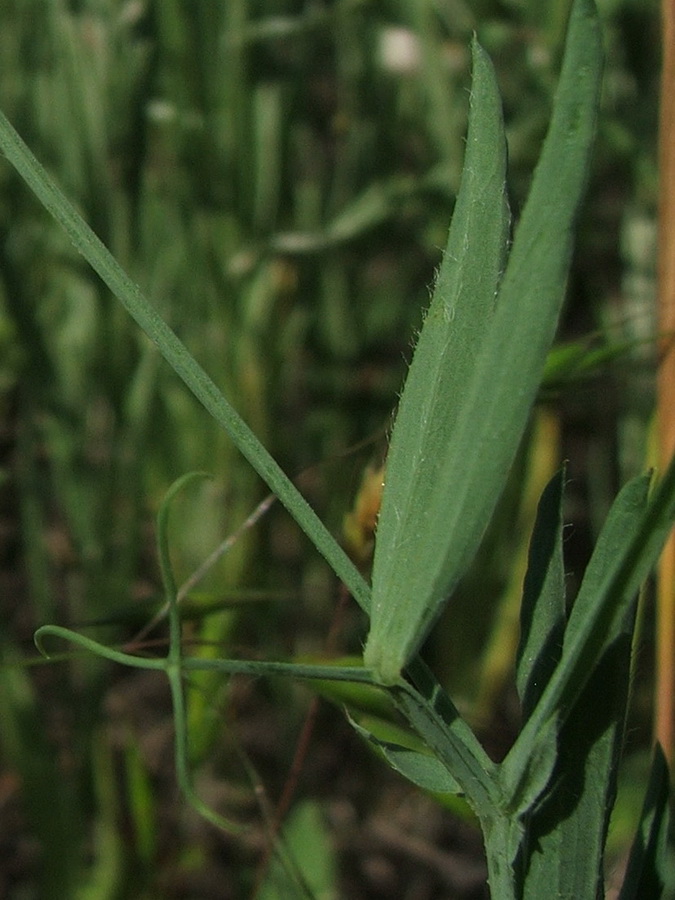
(178, 357)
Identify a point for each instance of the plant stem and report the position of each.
(665, 663)
(502, 837)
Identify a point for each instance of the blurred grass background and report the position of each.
(278, 176)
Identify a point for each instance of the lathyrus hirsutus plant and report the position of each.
(476, 369)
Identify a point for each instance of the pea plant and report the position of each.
(544, 810)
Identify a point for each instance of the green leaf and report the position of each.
(436, 720)
(524, 786)
(618, 567)
(422, 769)
(412, 530)
(592, 625)
(542, 615)
(651, 866)
(567, 831)
(475, 375)
(627, 548)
